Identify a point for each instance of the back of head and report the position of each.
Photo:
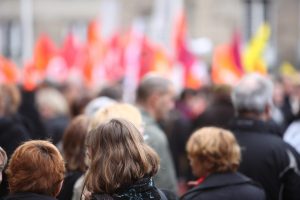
(252, 94)
(216, 149)
(96, 104)
(10, 99)
(51, 100)
(114, 92)
(74, 143)
(151, 84)
(117, 110)
(118, 157)
(37, 167)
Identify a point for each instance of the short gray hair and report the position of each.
(150, 84)
(252, 94)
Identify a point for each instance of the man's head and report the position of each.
(3, 161)
(156, 95)
(253, 96)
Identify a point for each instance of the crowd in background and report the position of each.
(104, 142)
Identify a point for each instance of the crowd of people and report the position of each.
(216, 142)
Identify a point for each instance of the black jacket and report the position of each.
(226, 186)
(12, 134)
(28, 196)
(142, 189)
(267, 159)
(66, 192)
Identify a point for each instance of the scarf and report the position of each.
(143, 189)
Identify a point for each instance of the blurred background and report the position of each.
(33, 30)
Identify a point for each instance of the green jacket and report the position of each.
(156, 138)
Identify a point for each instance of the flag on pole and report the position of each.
(184, 56)
(253, 56)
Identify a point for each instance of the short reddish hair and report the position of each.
(37, 167)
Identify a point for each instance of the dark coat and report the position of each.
(12, 134)
(28, 196)
(142, 189)
(31, 116)
(66, 192)
(226, 186)
(267, 159)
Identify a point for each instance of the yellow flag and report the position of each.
(287, 69)
(253, 56)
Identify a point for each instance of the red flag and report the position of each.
(72, 51)
(146, 57)
(184, 56)
(43, 52)
(9, 72)
(31, 76)
(236, 51)
(224, 69)
(95, 50)
(113, 62)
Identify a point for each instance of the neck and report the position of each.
(253, 115)
(150, 111)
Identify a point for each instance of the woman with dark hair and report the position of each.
(73, 145)
(214, 156)
(35, 171)
(121, 163)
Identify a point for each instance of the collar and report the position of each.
(146, 117)
(218, 180)
(242, 124)
(29, 196)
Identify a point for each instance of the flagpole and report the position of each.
(26, 16)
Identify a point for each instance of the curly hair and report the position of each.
(216, 149)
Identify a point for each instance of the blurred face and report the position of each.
(164, 103)
(196, 166)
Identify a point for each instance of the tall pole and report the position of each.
(26, 16)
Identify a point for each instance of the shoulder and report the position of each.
(226, 186)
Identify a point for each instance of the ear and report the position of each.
(267, 112)
(58, 189)
(153, 99)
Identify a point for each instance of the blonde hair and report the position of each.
(52, 99)
(216, 148)
(119, 157)
(117, 110)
